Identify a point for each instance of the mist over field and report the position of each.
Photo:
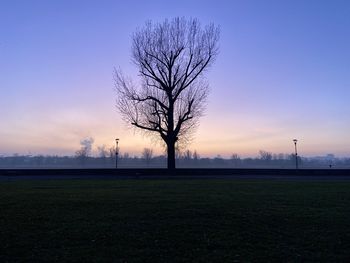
(186, 160)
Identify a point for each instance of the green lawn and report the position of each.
(174, 221)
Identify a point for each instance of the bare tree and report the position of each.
(102, 151)
(171, 58)
(265, 156)
(112, 150)
(147, 155)
(235, 159)
(126, 156)
(85, 150)
(188, 155)
(196, 156)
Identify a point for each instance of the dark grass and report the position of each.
(174, 221)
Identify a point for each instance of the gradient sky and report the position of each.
(283, 72)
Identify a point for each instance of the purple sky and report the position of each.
(283, 72)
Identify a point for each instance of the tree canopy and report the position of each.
(171, 58)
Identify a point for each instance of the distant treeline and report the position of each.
(187, 159)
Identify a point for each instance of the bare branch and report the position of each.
(171, 58)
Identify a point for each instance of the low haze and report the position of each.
(282, 73)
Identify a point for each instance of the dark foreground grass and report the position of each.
(174, 221)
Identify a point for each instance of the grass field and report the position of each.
(174, 221)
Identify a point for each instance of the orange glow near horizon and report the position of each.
(62, 134)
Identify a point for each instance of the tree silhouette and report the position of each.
(84, 152)
(265, 156)
(147, 155)
(171, 58)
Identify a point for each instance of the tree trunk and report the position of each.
(171, 155)
(170, 135)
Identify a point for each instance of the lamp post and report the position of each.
(296, 153)
(116, 153)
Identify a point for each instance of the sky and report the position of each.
(283, 72)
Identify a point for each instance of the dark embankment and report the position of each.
(183, 172)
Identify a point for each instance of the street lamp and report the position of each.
(116, 153)
(296, 153)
